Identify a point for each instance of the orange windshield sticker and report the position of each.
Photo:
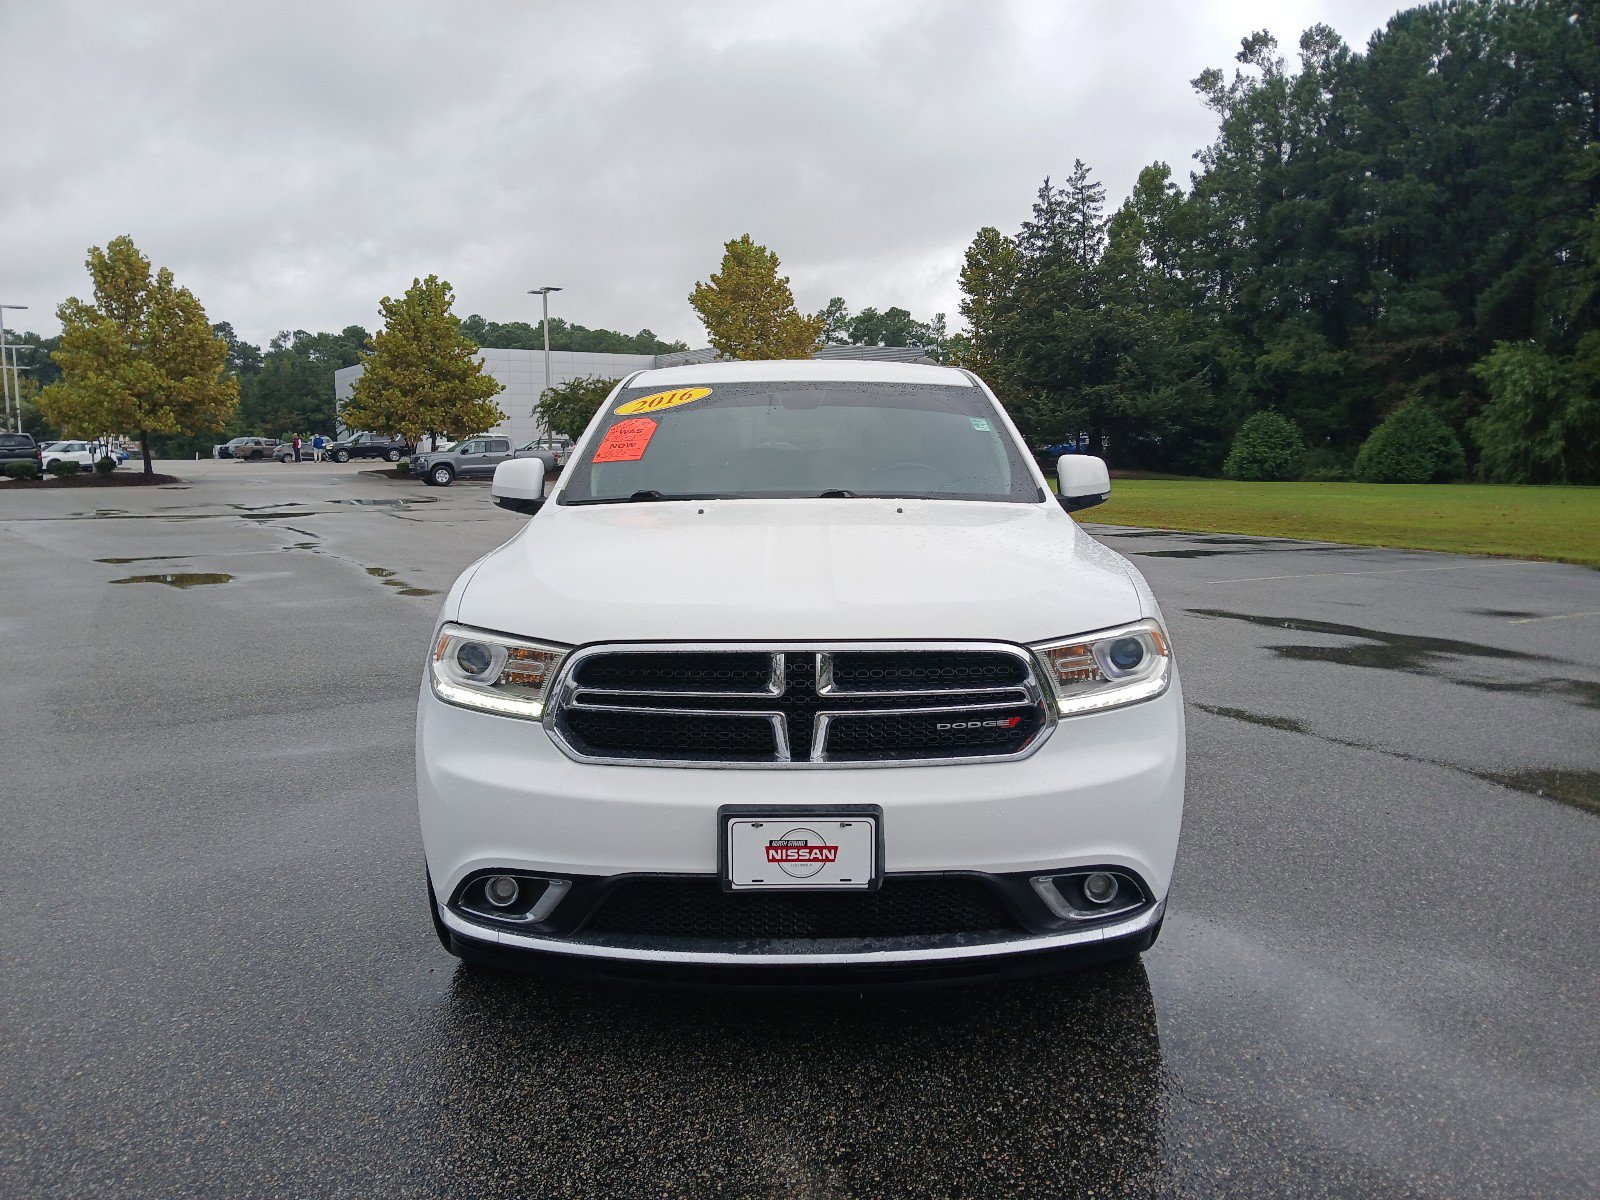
(625, 441)
(660, 400)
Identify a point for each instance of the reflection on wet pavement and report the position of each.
(1042, 1089)
(182, 579)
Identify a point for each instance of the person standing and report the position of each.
(318, 443)
(297, 447)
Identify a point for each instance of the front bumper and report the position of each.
(1104, 791)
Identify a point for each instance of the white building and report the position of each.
(522, 372)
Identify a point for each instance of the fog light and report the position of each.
(502, 891)
(1099, 888)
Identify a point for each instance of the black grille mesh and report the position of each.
(699, 908)
(904, 735)
(666, 735)
(735, 671)
(921, 670)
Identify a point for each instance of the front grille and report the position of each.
(668, 735)
(898, 735)
(699, 908)
(701, 705)
(676, 672)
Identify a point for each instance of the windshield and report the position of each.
(12, 440)
(794, 439)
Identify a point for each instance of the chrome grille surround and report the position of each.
(569, 695)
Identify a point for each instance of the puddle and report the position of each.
(265, 507)
(141, 558)
(1572, 786)
(1580, 789)
(182, 579)
(274, 516)
(1389, 651)
(382, 572)
(405, 589)
(1256, 548)
(405, 503)
(1509, 614)
(1287, 724)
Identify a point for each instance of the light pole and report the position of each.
(544, 293)
(5, 380)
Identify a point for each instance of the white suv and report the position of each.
(801, 670)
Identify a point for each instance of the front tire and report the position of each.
(442, 476)
(392, 456)
(341, 456)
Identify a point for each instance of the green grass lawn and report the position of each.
(1558, 523)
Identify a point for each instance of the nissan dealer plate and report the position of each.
(800, 851)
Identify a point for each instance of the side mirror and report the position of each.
(1082, 481)
(519, 485)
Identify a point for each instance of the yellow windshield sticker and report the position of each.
(661, 400)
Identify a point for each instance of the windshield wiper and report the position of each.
(837, 494)
(646, 495)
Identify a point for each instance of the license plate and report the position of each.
(814, 850)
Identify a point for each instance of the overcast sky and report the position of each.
(294, 162)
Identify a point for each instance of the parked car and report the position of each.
(19, 447)
(254, 449)
(473, 458)
(369, 445)
(559, 446)
(225, 450)
(800, 671)
(85, 454)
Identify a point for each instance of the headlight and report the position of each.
(491, 672)
(1107, 669)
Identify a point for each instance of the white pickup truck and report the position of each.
(801, 670)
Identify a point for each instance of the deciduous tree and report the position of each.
(423, 377)
(141, 358)
(569, 407)
(748, 309)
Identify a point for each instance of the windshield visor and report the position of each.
(794, 439)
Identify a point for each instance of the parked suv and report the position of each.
(19, 447)
(474, 458)
(255, 449)
(800, 671)
(369, 445)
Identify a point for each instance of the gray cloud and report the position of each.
(294, 162)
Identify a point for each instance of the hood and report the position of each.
(813, 570)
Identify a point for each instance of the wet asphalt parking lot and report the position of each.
(1378, 975)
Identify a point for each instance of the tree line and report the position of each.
(1417, 224)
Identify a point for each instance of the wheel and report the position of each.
(442, 476)
(392, 456)
(51, 463)
(341, 456)
(256, 457)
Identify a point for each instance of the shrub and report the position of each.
(105, 466)
(1267, 446)
(1413, 445)
(22, 470)
(63, 469)
(1327, 464)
